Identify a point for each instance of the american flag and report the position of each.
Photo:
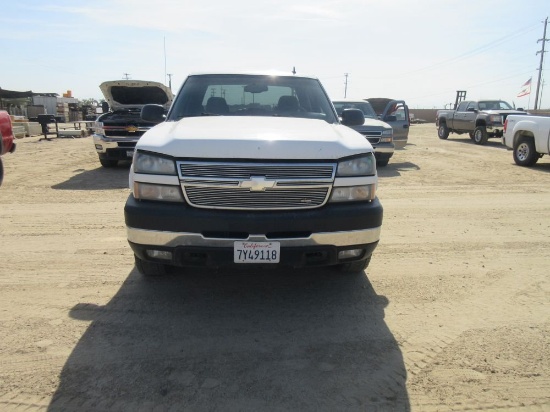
(525, 88)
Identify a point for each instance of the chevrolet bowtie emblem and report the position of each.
(132, 129)
(257, 184)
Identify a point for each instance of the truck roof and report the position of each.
(253, 73)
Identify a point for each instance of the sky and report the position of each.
(419, 51)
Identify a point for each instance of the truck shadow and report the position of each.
(543, 165)
(496, 143)
(395, 169)
(97, 179)
(269, 340)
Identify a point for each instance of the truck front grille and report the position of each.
(256, 186)
(372, 136)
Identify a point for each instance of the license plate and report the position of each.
(130, 153)
(256, 252)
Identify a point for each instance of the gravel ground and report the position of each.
(452, 314)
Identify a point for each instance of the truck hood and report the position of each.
(382, 104)
(371, 124)
(249, 137)
(129, 94)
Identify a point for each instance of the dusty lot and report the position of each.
(452, 314)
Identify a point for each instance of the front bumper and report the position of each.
(205, 237)
(116, 148)
(495, 130)
(385, 148)
(400, 142)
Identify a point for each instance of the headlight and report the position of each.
(495, 118)
(98, 128)
(387, 136)
(359, 166)
(353, 193)
(150, 191)
(146, 163)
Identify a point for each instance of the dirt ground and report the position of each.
(452, 314)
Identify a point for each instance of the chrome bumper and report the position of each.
(111, 142)
(173, 239)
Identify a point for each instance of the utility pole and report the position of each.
(126, 76)
(541, 51)
(346, 86)
(169, 80)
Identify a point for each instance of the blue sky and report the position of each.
(421, 51)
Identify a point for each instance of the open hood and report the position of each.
(128, 94)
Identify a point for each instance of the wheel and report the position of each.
(471, 134)
(108, 162)
(382, 163)
(480, 135)
(525, 153)
(355, 267)
(443, 131)
(150, 268)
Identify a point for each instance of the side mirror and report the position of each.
(390, 118)
(520, 109)
(153, 113)
(352, 117)
(471, 109)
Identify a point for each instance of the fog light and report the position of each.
(348, 254)
(159, 254)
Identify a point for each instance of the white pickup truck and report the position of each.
(528, 136)
(252, 169)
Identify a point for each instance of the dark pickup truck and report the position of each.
(480, 119)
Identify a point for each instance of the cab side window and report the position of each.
(462, 107)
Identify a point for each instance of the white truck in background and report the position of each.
(528, 136)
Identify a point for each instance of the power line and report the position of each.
(469, 53)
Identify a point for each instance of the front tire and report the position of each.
(525, 153)
(150, 269)
(480, 135)
(443, 131)
(355, 267)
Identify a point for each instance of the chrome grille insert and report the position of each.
(256, 186)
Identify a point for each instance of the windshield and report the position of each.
(365, 107)
(494, 105)
(252, 95)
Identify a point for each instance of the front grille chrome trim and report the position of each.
(256, 186)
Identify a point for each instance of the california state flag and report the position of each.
(525, 88)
